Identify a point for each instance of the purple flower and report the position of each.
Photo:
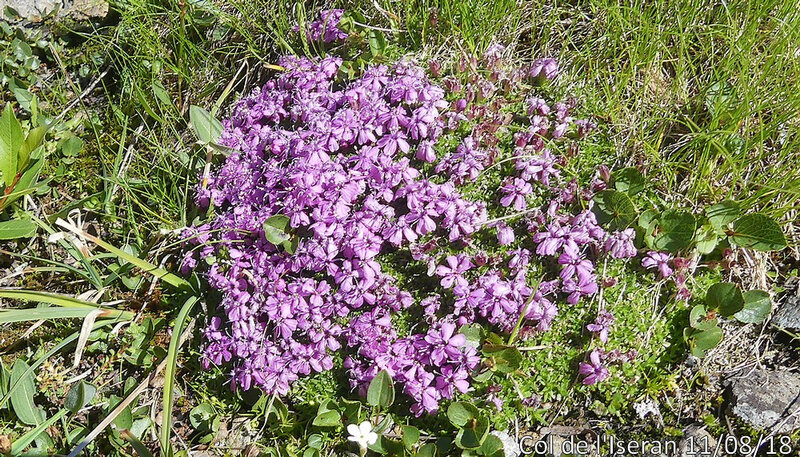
(602, 325)
(452, 273)
(514, 193)
(658, 260)
(593, 371)
(546, 68)
(620, 244)
(505, 234)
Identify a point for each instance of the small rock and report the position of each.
(696, 442)
(36, 10)
(788, 315)
(767, 400)
(510, 445)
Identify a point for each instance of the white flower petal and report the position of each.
(365, 428)
(353, 438)
(371, 438)
(353, 430)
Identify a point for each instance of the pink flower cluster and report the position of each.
(359, 169)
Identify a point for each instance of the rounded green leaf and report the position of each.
(79, 396)
(381, 390)
(472, 436)
(410, 435)
(759, 232)
(706, 239)
(461, 413)
(276, 229)
(492, 446)
(330, 418)
(427, 450)
(703, 340)
(722, 214)
(629, 180)
(615, 208)
(725, 297)
(675, 231)
(757, 306)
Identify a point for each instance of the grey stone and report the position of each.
(767, 400)
(788, 315)
(510, 445)
(36, 10)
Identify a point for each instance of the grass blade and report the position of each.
(139, 447)
(35, 314)
(47, 297)
(166, 276)
(169, 374)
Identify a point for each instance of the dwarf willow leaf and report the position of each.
(330, 418)
(703, 340)
(675, 231)
(461, 413)
(757, 306)
(725, 297)
(629, 180)
(722, 214)
(616, 209)
(276, 228)
(759, 232)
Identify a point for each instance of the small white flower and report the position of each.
(362, 434)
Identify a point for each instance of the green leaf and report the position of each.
(71, 146)
(330, 418)
(461, 413)
(675, 231)
(759, 232)
(11, 140)
(696, 315)
(472, 437)
(757, 306)
(201, 415)
(725, 297)
(276, 229)
(32, 141)
(410, 435)
(207, 128)
(22, 398)
(507, 359)
(629, 180)
(703, 340)
(722, 214)
(17, 228)
(616, 209)
(79, 396)
(170, 369)
(426, 450)
(492, 446)
(474, 334)
(26, 181)
(381, 390)
(706, 239)
(25, 440)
